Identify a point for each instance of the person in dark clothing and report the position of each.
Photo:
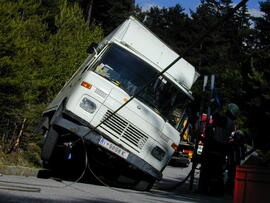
(236, 153)
(215, 150)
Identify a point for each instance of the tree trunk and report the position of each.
(89, 11)
(17, 141)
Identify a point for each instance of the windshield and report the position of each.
(131, 73)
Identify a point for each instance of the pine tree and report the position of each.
(35, 62)
(107, 13)
(21, 34)
(258, 87)
(223, 51)
(171, 25)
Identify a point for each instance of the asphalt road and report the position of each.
(33, 189)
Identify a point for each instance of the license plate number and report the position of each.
(113, 148)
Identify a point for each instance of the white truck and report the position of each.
(134, 145)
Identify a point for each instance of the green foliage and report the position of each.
(66, 48)
(32, 155)
(257, 86)
(171, 25)
(35, 62)
(108, 13)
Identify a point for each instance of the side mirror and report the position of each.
(92, 48)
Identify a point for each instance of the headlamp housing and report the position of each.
(158, 153)
(88, 105)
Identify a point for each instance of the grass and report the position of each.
(29, 158)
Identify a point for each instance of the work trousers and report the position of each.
(211, 179)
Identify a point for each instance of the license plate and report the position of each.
(113, 148)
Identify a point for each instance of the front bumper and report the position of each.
(94, 137)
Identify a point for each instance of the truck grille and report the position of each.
(125, 131)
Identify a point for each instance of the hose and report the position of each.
(179, 184)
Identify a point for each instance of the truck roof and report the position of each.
(142, 41)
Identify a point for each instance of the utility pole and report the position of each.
(198, 133)
(208, 85)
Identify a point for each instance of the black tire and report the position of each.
(144, 185)
(51, 138)
(49, 144)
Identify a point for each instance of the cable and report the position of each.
(178, 184)
(84, 170)
(87, 166)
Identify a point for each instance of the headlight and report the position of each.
(88, 105)
(158, 153)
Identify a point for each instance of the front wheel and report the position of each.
(51, 138)
(144, 185)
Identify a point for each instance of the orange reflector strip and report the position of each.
(174, 146)
(125, 99)
(86, 85)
